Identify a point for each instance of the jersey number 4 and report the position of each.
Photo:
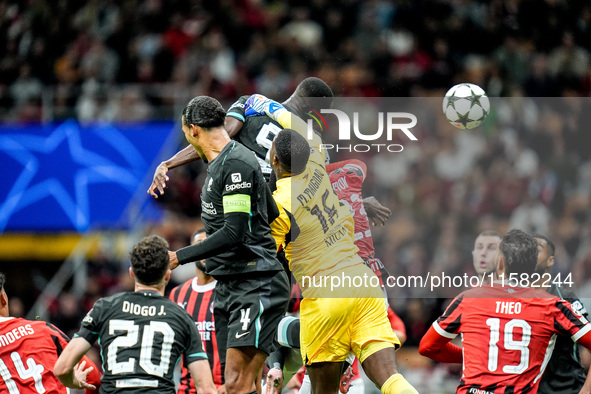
(131, 339)
(509, 343)
(33, 371)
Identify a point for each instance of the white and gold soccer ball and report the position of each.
(466, 105)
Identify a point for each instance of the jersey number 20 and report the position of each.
(131, 339)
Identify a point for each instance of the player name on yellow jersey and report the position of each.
(325, 244)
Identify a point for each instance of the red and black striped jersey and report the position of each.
(197, 300)
(508, 334)
(346, 178)
(28, 352)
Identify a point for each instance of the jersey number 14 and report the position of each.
(33, 371)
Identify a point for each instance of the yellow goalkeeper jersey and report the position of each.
(325, 236)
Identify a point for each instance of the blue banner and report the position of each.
(78, 177)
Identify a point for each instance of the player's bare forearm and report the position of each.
(201, 374)
(585, 357)
(233, 126)
(586, 389)
(186, 155)
(376, 212)
(68, 371)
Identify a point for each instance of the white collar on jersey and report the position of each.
(3, 319)
(203, 288)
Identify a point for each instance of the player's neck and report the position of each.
(293, 103)
(215, 142)
(281, 172)
(157, 288)
(203, 278)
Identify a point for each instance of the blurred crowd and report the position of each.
(90, 59)
(527, 167)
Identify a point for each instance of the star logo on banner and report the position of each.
(57, 166)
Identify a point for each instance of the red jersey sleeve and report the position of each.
(567, 323)
(448, 325)
(93, 377)
(438, 348)
(61, 341)
(58, 337)
(355, 165)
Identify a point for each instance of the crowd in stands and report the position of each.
(527, 167)
(77, 59)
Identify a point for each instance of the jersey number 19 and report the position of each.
(509, 343)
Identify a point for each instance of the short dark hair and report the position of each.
(313, 87)
(489, 233)
(551, 247)
(205, 112)
(292, 150)
(316, 93)
(2, 280)
(149, 260)
(520, 251)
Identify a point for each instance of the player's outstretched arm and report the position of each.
(257, 104)
(65, 368)
(376, 212)
(232, 233)
(201, 374)
(438, 348)
(186, 155)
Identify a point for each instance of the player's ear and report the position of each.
(131, 273)
(3, 298)
(550, 262)
(195, 130)
(167, 275)
(4, 311)
(501, 265)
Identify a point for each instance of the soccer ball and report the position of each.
(466, 105)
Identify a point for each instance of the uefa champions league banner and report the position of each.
(74, 177)
(448, 169)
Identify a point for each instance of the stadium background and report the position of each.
(121, 71)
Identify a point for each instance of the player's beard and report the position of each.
(201, 265)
